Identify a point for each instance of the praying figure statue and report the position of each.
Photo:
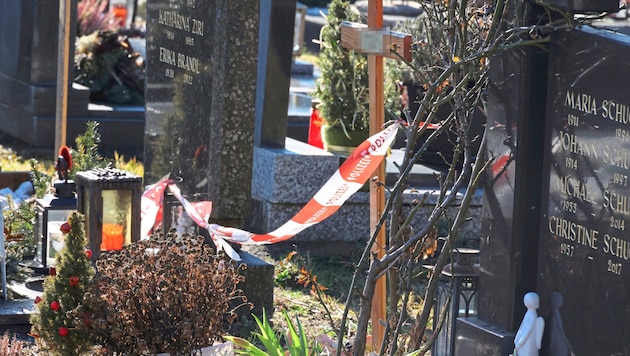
(529, 335)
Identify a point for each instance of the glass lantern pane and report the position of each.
(85, 202)
(55, 239)
(39, 221)
(468, 303)
(116, 219)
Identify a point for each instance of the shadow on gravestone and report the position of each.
(555, 341)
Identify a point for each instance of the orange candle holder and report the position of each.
(112, 237)
(120, 12)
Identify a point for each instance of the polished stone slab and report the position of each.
(584, 244)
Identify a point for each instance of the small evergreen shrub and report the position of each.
(86, 156)
(54, 325)
(342, 87)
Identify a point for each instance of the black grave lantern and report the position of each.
(110, 200)
(52, 211)
(458, 284)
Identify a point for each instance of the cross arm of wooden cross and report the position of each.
(384, 42)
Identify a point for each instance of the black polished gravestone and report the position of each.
(511, 205)
(200, 99)
(275, 56)
(218, 76)
(585, 225)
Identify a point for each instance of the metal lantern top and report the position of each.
(108, 175)
(464, 265)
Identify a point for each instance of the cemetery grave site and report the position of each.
(320, 177)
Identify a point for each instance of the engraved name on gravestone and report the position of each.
(585, 230)
(178, 90)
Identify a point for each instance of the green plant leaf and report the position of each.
(297, 344)
(268, 337)
(248, 347)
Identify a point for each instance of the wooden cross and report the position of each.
(377, 43)
(380, 42)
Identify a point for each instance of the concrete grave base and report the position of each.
(285, 179)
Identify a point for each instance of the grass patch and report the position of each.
(10, 161)
(309, 57)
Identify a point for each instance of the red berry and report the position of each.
(88, 253)
(54, 305)
(65, 227)
(52, 271)
(74, 281)
(63, 331)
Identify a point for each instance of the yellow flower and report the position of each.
(456, 59)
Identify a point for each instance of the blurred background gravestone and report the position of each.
(28, 71)
(29, 33)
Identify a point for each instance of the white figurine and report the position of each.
(529, 335)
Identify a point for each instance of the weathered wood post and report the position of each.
(376, 42)
(63, 73)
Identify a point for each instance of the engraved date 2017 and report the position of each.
(614, 267)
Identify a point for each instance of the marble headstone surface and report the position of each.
(584, 235)
(200, 99)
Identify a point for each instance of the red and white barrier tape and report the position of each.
(347, 180)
